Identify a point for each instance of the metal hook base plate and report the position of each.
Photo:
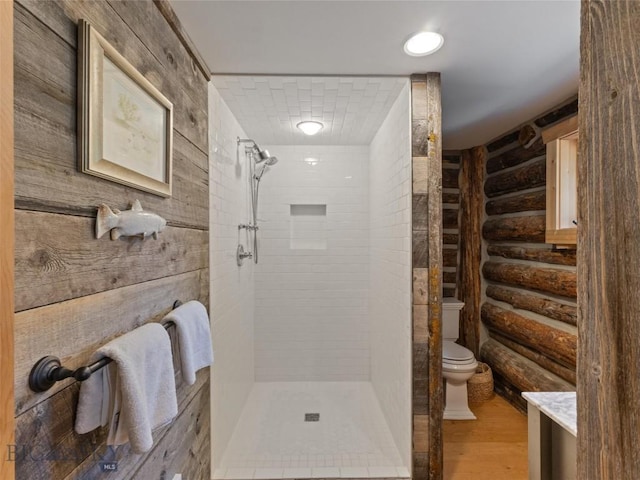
(40, 377)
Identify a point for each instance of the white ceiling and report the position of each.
(269, 108)
(502, 63)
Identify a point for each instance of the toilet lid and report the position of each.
(454, 352)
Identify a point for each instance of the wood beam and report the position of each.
(515, 229)
(565, 256)
(548, 280)
(554, 343)
(471, 206)
(568, 374)
(609, 241)
(523, 202)
(525, 375)
(534, 303)
(428, 397)
(530, 175)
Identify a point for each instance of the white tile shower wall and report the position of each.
(311, 317)
(390, 274)
(232, 287)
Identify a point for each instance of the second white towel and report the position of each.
(193, 337)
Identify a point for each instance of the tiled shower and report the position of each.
(322, 324)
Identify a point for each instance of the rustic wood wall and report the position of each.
(609, 242)
(450, 227)
(73, 292)
(530, 287)
(7, 429)
(428, 400)
(471, 217)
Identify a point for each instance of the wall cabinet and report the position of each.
(562, 195)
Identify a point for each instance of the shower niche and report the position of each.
(308, 227)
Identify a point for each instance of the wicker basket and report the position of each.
(480, 385)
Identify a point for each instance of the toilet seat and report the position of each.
(455, 354)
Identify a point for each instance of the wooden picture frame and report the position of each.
(125, 124)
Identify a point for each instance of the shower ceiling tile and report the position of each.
(268, 108)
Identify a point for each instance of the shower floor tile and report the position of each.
(272, 433)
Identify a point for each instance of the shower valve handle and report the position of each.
(241, 254)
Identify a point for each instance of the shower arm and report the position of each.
(248, 140)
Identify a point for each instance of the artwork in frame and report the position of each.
(125, 124)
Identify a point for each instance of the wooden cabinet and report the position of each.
(562, 159)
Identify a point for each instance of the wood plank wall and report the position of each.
(73, 292)
(609, 242)
(7, 429)
(529, 309)
(428, 400)
(450, 221)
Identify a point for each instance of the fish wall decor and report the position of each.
(130, 223)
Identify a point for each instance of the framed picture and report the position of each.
(125, 124)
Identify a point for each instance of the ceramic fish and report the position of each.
(128, 223)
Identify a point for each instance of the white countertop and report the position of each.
(558, 406)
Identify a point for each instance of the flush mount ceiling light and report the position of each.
(310, 128)
(423, 43)
(311, 161)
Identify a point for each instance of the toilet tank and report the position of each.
(451, 318)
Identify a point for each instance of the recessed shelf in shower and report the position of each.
(308, 227)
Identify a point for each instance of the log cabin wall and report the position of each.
(450, 226)
(73, 293)
(528, 287)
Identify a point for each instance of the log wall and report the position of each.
(74, 293)
(529, 287)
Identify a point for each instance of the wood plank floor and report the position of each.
(494, 447)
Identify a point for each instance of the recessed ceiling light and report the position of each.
(310, 128)
(423, 43)
(311, 161)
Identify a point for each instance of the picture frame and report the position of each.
(125, 124)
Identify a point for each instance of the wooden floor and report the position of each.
(493, 447)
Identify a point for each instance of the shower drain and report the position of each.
(311, 417)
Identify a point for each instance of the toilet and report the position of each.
(458, 363)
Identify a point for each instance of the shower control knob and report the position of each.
(241, 255)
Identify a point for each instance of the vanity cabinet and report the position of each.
(552, 435)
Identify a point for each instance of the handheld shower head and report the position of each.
(265, 156)
(260, 172)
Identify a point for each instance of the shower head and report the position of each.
(265, 156)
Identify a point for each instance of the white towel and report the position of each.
(136, 393)
(194, 338)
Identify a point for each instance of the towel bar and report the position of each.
(49, 370)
